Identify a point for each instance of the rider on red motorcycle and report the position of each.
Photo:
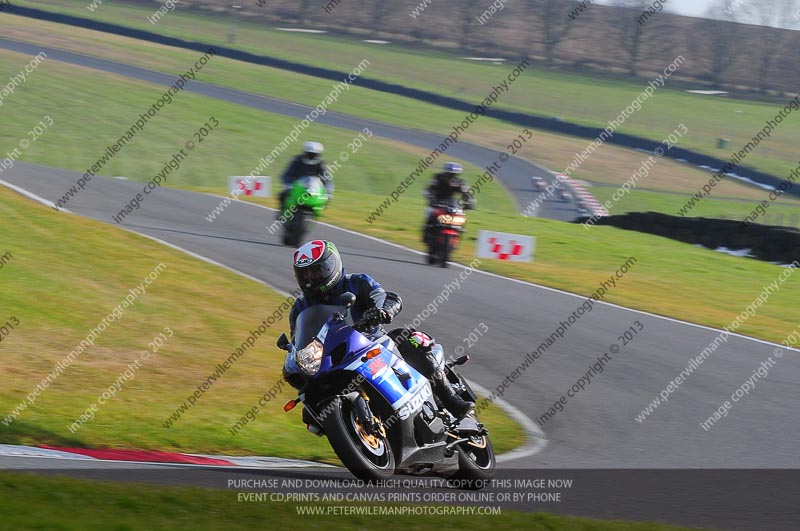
(320, 274)
(443, 189)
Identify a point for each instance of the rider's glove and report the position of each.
(377, 316)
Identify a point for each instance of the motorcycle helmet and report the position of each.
(452, 167)
(312, 152)
(317, 267)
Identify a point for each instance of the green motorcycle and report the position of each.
(305, 202)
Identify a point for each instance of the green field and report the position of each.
(67, 504)
(647, 200)
(581, 99)
(672, 278)
(663, 185)
(67, 273)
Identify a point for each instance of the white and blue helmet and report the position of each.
(452, 167)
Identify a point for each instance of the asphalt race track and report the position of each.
(596, 430)
(515, 173)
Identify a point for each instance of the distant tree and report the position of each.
(419, 26)
(723, 38)
(381, 12)
(632, 35)
(306, 8)
(773, 14)
(554, 22)
(471, 8)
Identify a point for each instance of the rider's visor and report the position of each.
(312, 275)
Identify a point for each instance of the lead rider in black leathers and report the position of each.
(320, 274)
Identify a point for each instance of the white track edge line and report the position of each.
(210, 261)
(31, 195)
(536, 438)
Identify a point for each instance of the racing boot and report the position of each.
(449, 399)
(426, 234)
(427, 230)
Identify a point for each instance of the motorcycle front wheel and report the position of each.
(297, 227)
(367, 456)
(444, 251)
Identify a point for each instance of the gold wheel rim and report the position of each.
(371, 440)
(482, 444)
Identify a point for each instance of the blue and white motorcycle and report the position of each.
(379, 414)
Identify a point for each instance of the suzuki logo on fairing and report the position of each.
(414, 403)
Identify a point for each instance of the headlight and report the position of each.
(455, 220)
(310, 358)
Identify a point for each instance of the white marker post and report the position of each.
(504, 246)
(260, 186)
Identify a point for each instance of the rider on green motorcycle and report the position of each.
(309, 162)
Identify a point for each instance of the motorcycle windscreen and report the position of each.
(312, 184)
(309, 191)
(310, 322)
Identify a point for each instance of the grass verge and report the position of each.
(67, 273)
(70, 504)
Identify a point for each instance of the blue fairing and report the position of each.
(339, 333)
(387, 372)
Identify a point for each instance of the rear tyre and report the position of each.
(289, 229)
(286, 237)
(368, 457)
(476, 464)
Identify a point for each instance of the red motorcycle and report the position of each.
(444, 233)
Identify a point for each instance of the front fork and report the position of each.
(371, 424)
(360, 402)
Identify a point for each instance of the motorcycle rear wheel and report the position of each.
(476, 462)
